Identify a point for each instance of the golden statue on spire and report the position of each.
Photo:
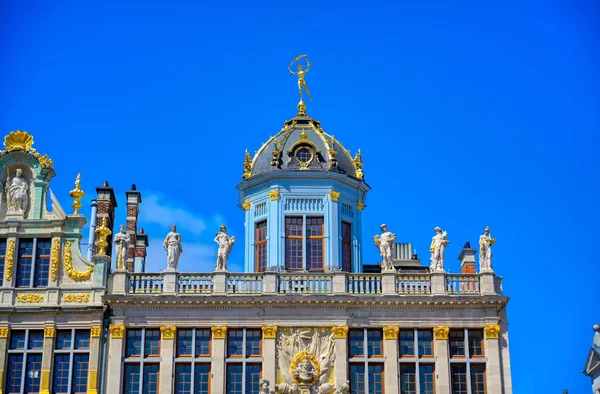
(300, 73)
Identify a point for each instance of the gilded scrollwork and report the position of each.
(269, 331)
(70, 270)
(76, 298)
(3, 332)
(30, 298)
(441, 332)
(391, 332)
(492, 331)
(48, 332)
(54, 259)
(340, 331)
(168, 332)
(96, 331)
(334, 195)
(274, 195)
(117, 331)
(9, 259)
(219, 332)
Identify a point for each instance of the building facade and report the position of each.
(307, 316)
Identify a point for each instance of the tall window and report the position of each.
(416, 361)
(260, 246)
(346, 247)
(192, 361)
(71, 361)
(366, 367)
(142, 352)
(467, 362)
(2, 258)
(304, 243)
(24, 361)
(244, 360)
(33, 262)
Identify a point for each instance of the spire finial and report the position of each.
(77, 195)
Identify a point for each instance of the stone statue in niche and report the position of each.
(173, 247)
(485, 251)
(438, 245)
(122, 241)
(385, 244)
(225, 243)
(17, 197)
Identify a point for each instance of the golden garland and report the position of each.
(30, 298)
(55, 257)
(68, 264)
(10, 255)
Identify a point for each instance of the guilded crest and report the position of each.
(18, 140)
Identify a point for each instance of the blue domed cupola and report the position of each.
(303, 194)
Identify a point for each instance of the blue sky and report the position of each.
(468, 114)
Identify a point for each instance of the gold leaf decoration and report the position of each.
(269, 331)
(18, 140)
(441, 332)
(219, 332)
(68, 265)
(9, 259)
(30, 298)
(168, 332)
(54, 258)
(76, 298)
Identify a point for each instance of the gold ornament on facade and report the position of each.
(30, 298)
(334, 195)
(358, 165)
(269, 331)
(54, 259)
(96, 331)
(168, 332)
(68, 266)
(441, 332)
(303, 135)
(340, 331)
(246, 205)
(9, 259)
(117, 331)
(219, 332)
(247, 165)
(391, 332)
(76, 298)
(360, 205)
(305, 356)
(102, 233)
(120, 257)
(77, 195)
(18, 140)
(3, 332)
(376, 239)
(274, 195)
(48, 332)
(92, 382)
(492, 331)
(45, 382)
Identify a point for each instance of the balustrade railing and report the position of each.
(195, 283)
(462, 284)
(145, 283)
(413, 284)
(245, 284)
(363, 284)
(305, 284)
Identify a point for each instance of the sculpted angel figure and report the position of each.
(172, 245)
(16, 195)
(385, 244)
(264, 387)
(438, 245)
(225, 243)
(300, 73)
(122, 241)
(485, 250)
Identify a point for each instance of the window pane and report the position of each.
(407, 343)
(315, 243)
(357, 343)
(184, 343)
(63, 339)
(152, 343)
(60, 383)
(80, 373)
(408, 380)
(33, 373)
(17, 339)
(183, 378)
(82, 339)
(150, 383)
(346, 247)
(235, 342)
(375, 378)
(2, 257)
(475, 343)
(426, 379)
(24, 264)
(357, 378)
(293, 243)
(133, 343)
(374, 339)
(132, 379)
(459, 378)
(15, 371)
(252, 377)
(36, 339)
(477, 378)
(253, 343)
(425, 340)
(202, 342)
(234, 379)
(202, 379)
(42, 263)
(457, 343)
(260, 252)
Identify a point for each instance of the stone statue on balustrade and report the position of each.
(385, 244)
(264, 387)
(438, 245)
(225, 243)
(17, 197)
(485, 251)
(172, 245)
(122, 241)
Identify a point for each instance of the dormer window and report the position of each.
(304, 155)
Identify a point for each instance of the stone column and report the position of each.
(115, 358)
(493, 372)
(95, 348)
(167, 353)
(3, 345)
(390, 344)
(340, 335)
(217, 367)
(442, 363)
(47, 359)
(269, 367)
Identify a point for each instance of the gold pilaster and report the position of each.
(117, 331)
(360, 205)
(492, 331)
(45, 382)
(334, 195)
(168, 332)
(96, 331)
(269, 331)
(274, 195)
(3, 332)
(92, 382)
(340, 331)
(391, 332)
(48, 332)
(219, 332)
(441, 332)
(246, 205)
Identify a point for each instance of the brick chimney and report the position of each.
(134, 198)
(140, 251)
(106, 204)
(467, 259)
